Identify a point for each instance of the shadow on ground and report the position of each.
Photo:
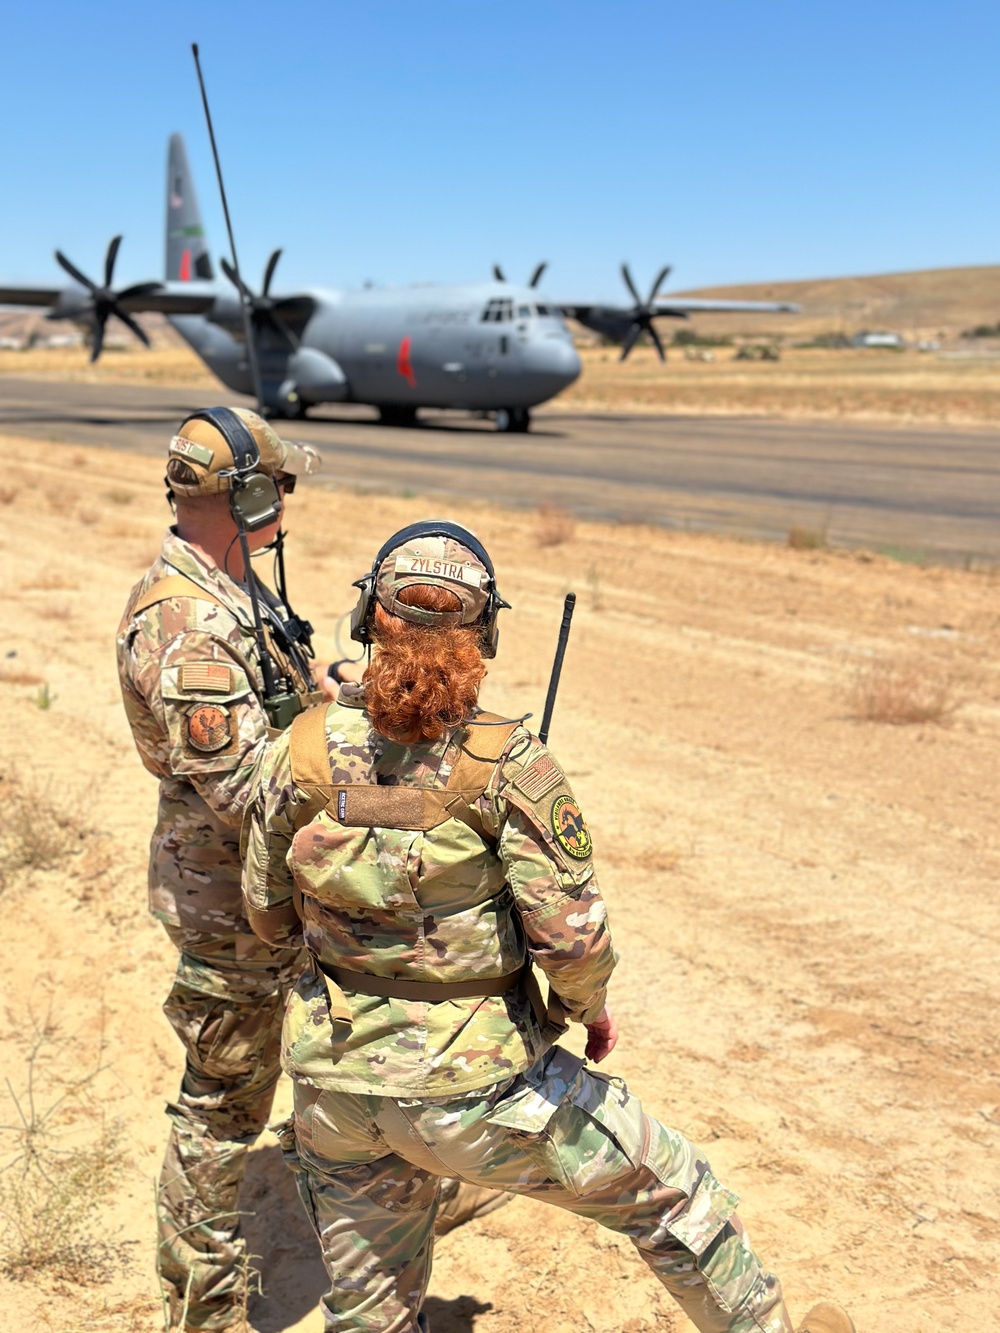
(291, 1271)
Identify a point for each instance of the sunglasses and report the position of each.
(286, 482)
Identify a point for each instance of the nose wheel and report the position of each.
(512, 420)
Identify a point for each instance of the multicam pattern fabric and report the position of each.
(191, 688)
(434, 906)
(367, 1169)
(436, 560)
(225, 1006)
(200, 739)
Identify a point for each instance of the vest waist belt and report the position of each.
(431, 992)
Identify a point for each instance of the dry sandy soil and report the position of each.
(805, 905)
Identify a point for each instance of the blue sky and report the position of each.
(740, 141)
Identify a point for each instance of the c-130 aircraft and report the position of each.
(492, 348)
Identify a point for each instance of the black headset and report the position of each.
(364, 612)
(253, 496)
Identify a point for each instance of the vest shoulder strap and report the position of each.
(173, 585)
(307, 752)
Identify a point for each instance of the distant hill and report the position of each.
(928, 303)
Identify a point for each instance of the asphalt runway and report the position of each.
(908, 490)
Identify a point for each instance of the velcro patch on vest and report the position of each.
(209, 728)
(538, 778)
(213, 677)
(365, 806)
(184, 448)
(441, 569)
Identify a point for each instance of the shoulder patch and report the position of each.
(569, 828)
(537, 778)
(213, 677)
(209, 728)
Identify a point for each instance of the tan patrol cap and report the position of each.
(439, 560)
(205, 450)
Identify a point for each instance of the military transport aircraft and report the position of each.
(492, 348)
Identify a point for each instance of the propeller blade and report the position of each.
(651, 330)
(136, 328)
(137, 290)
(660, 279)
(498, 273)
(630, 284)
(268, 319)
(272, 264)
(537, 275)
(74, 272)
(109, 260)
(98, 343)
(230, 273)
(631, 338)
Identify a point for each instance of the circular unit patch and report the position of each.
(570, 830)
(208, 728)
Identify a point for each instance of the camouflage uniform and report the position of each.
(392, 1094)
(190, 678)
(191, 686)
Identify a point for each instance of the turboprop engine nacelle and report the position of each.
(313, 377)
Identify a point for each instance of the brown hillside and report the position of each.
(930, 303)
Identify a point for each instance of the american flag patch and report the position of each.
(215, 677)
(538, 778)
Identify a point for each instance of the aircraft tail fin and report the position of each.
(187, 249)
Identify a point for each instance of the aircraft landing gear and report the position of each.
(397, 414)
(512, 420)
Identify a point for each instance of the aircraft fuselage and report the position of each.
(484, 347)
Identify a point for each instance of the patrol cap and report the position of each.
(206, 452)
(443, 562)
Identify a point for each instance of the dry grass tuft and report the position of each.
(37, 832)
(119, 496)
(51, 1184)
(901, 694)
(555, 525)
(8, 494)
(806, 539)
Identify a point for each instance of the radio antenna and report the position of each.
(244, 295)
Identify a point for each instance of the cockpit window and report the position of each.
(497, 310)
(543, 310)
(524, 312)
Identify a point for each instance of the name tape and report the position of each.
(442, 569)
(189, 449)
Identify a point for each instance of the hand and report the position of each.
(602, 1036)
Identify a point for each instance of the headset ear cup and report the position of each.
(361, 615)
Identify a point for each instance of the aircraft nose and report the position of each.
(552, 365)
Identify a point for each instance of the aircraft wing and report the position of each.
(29, 295)
(684, 305)
(164, 298)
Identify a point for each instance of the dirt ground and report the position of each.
(805, 906)
(959, 385)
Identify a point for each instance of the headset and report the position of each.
(364, 613)
(253, 496)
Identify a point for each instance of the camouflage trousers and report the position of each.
(226, 1006)
(369, 1170)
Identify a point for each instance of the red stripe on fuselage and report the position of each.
(185, 273)
(403, 363)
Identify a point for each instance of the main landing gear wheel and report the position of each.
(512, 420)
(397, 414)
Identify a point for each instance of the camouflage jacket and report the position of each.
(191, 684)
(437, 906)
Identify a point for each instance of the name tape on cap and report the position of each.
(442, 569)
(189, 449)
